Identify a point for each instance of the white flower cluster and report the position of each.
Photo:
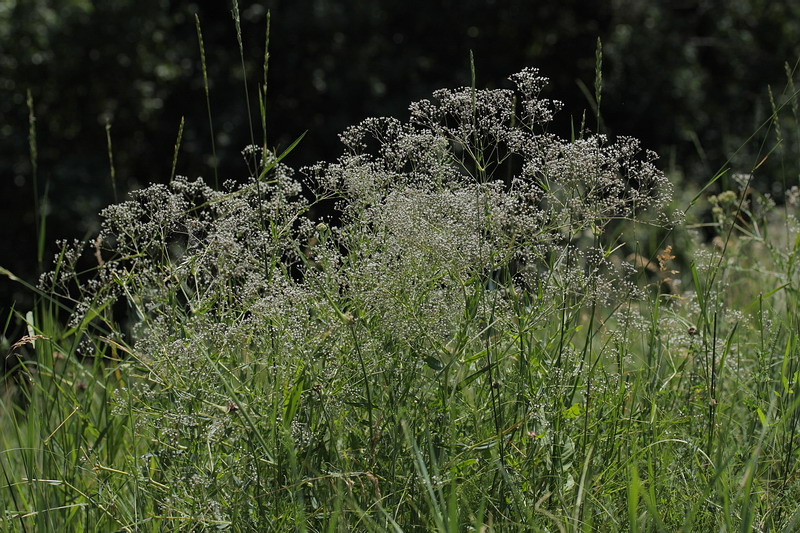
(466, 221)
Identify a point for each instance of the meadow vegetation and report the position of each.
(498, 330)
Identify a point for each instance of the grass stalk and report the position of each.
(214, 161)
(112, 169)
(39, 218)
(176, 150)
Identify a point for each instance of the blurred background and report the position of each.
(689, 78)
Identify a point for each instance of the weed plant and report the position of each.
(491, 335)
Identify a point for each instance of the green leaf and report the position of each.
(761, 416)
(574, 411)
(433, 362)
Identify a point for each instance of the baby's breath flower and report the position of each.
(453, 227)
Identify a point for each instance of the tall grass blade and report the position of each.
(111, 167)
(39, 214)
(262, 97)
(214, 161)
(175, 151)
(598, 80)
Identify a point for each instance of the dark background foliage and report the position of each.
(688, 78)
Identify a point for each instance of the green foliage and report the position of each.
(474, 341)
(492, 332)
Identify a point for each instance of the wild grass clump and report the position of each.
(490, 335)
